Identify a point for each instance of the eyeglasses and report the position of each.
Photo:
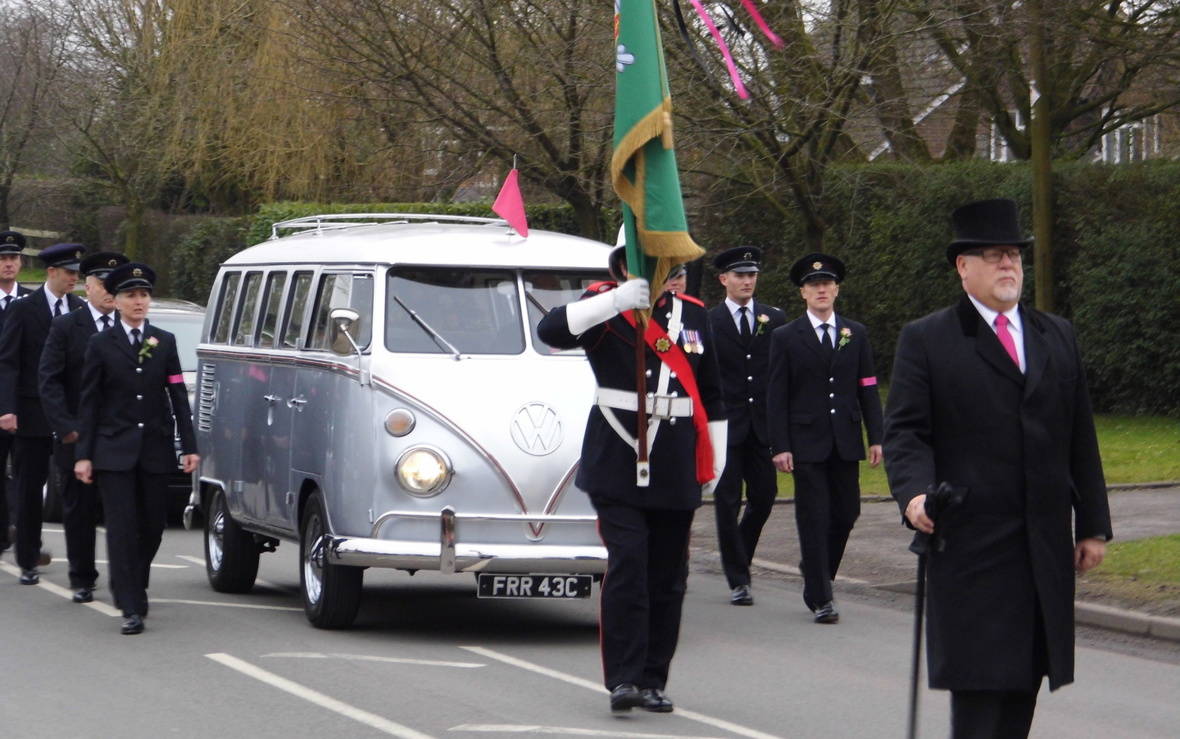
(996, 255)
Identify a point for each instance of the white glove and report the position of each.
(632, 294)
(592, 311)
(719, 438)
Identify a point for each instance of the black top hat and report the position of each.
(738, 259)
(817, 266)
(11, 242)
(101, 263)
(65, 256)
(986, 223)
(129, 276)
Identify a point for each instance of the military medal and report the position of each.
(663, 344)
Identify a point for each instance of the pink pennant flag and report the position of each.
(509, 204)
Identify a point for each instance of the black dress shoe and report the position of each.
(83, 595)
(740, 596)
(625, 697)
(132, 624)
(827, 614)
(30, 577)
(657, 701)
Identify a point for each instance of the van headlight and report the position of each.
(423, 471)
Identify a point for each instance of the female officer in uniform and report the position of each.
(644, 520)
(133, 398)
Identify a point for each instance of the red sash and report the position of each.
(676, 360)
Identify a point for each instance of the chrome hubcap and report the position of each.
(313, 560)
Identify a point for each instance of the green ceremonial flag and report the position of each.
(643, 166)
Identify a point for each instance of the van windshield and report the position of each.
(476, 311)
(546, 290)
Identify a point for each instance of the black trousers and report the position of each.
(5, 450)
(747, 462)
(32, 468)
(991, 714)
(827, 504)
(135, 504)
(642, 593)
(79, 516)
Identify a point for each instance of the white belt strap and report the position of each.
(658, 406)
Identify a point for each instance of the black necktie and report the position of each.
(745, 325)
(826, 341)
(135, 339)
(106, 323)
(7, 300)
(57, 307)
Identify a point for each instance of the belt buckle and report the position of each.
(661, 407)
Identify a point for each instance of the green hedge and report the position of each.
(197, 255)
(1116, 260)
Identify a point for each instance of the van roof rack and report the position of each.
(331, 221)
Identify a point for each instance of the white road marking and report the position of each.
(374, 658)
(299, 691)
(224, 604)
(571, 679)
(257, 580)
(160, 565)
(96, 605)
(518, 729)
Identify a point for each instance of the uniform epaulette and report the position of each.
(600, 287)
(690, 298)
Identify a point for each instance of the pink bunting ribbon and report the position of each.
(729, 65)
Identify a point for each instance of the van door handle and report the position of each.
(271, 399)
(297, 403)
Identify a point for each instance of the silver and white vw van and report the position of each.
(372, 387)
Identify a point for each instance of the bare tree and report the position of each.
(33, 37)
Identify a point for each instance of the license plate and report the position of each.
(533, 586)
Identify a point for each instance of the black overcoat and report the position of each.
(60, 377)
(607, 468)
(21, 342)
(815, 401)
(744, 368)
(960, 411)
(130, 410)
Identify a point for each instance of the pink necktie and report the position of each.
(1006, 338)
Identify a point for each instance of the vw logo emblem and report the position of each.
(536, 429)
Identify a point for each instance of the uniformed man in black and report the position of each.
(12, 243)
(822, 387)
(133, 402)
(644, 514)
(21, 342)
(61, 386)
(741, 329)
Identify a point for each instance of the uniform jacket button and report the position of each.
(672, 375)
(139, 370)
(833, 410)
(831, 379)
(139, 425)
(747, 356)
(750, 378)
(647, 373)
(139, 397)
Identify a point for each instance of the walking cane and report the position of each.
(938, 501)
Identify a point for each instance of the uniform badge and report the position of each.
(137, 272)
(663, 344)
(817, 265)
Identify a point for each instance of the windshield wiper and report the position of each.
(443, 343)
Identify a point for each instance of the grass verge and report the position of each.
(1144, 573)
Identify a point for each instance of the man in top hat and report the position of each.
(21, 342)
(990, 395)
(12, 243)
(741, 331)
(823, 387)
(644, 513)
(61, 386)
(133, 402)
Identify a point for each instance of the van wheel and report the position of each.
(331, 593)
(231, 556)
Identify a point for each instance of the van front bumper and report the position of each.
(450, 555)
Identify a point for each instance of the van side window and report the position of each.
(225, 307)
(271, 300)
(343, 290)
(244, 331)
(296, 308)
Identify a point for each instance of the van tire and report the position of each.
(331, 593)
(231, 556)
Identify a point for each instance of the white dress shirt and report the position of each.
(1015, 327)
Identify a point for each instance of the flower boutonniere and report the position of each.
(845, 337)
(145, 351)
(763, 319)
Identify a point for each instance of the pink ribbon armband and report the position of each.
(179, 380)
(868, 381)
